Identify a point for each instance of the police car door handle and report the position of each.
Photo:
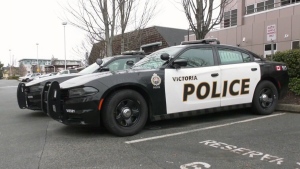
(214, 74)
(253, 69)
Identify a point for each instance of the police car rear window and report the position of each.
(228, 56)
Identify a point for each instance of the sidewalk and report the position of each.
(288, 107)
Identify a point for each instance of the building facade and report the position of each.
(257, 24)
(28, 65)
(148, 40)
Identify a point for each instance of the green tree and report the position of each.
(292, 59)
(1, 70)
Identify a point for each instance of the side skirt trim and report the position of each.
(199, 112)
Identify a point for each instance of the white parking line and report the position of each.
(200, 129)
(8, 86)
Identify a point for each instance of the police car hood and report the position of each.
(81, 80)
(58, 78)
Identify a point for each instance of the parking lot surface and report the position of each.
(225, 140)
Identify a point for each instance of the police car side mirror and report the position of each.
(130, 62)
(99, 61)
(179, 63)
(104, 69)
(165, 56)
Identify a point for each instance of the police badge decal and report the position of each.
(155, 80)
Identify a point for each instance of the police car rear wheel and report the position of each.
(265, 98)
(125, 113)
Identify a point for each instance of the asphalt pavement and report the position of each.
(225, 140)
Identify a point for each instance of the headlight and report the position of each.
(80, 92)
(36, 88)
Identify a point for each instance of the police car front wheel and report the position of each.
(265, 98)
(125, 113)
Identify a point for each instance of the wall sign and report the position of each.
(271, 32)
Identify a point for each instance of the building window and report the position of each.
(226, 19)
(250, 9)
(268, 47)
(260, 6)
(296, 45)
(233, 17)
(230, 18)
(287, 2)
(269, 4)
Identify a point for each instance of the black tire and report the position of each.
(265, 98)
(125, 113)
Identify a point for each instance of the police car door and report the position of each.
(195, 86)
(239, 76)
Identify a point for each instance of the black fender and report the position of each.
(44, 96)
(54, 101)
(21, 96)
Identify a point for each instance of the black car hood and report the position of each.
(81, 80)
(58, 78)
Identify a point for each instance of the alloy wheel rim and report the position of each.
(127, 113)
(266, 97)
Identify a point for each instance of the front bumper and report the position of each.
(71, 111)
(44, 97)
(27, 99)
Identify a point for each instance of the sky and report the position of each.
(26, 23)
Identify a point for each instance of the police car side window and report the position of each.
(246, 57)
(119, 64)
(199, 57)
(64, 72)
(228, 56)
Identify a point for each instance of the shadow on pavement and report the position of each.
(200, 119)
(81, 131)
(96, 132)
(32, 114)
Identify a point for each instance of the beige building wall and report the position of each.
(251, 32)
(296, 27)
(232, 5)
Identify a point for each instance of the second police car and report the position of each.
(189, 79)
(32, 95)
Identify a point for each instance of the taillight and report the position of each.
(281, 68)
(278, 68)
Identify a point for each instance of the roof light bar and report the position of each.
(202, 41)
(133, 53)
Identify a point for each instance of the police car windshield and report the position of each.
(93, 67)
(153, 60)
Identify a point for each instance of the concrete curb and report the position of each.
(288, 107)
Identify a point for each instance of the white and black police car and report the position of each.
(32, 95)
(189, 79)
